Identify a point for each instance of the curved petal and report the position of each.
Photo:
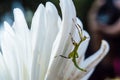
(80, 23)
(62, 44)
(8, 51)
(38, 27)
(86, 77)
(37, 35)
(1, 34)
(59, 22)
(51, 19)
(83, 47)
(23, 41)
(20, 27)
(72, 72)
(93, 60)
(4, 73)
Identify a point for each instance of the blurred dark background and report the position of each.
(6, 7)
(107, 68)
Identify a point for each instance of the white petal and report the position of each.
(20, 23)
(86, 77)
(68, 10)
(83, 47)
(38, 27)
(80, 23)
(4, 73)
(59, 23)
(9, 29)
(62, 44)
(23, 41)
(90, 63)
(93, 60)
(1, 34)
(51, 19)
(72, 72)
(22, 32)
(38, 36)
(9, 55)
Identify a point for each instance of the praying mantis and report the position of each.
(74, 54)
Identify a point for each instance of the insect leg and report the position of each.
(64, 57)
(73, 41)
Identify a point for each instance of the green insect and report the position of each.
(74, 54)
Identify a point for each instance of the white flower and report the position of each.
(30, 54)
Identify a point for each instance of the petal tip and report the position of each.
(106, 46)
(16, 10)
